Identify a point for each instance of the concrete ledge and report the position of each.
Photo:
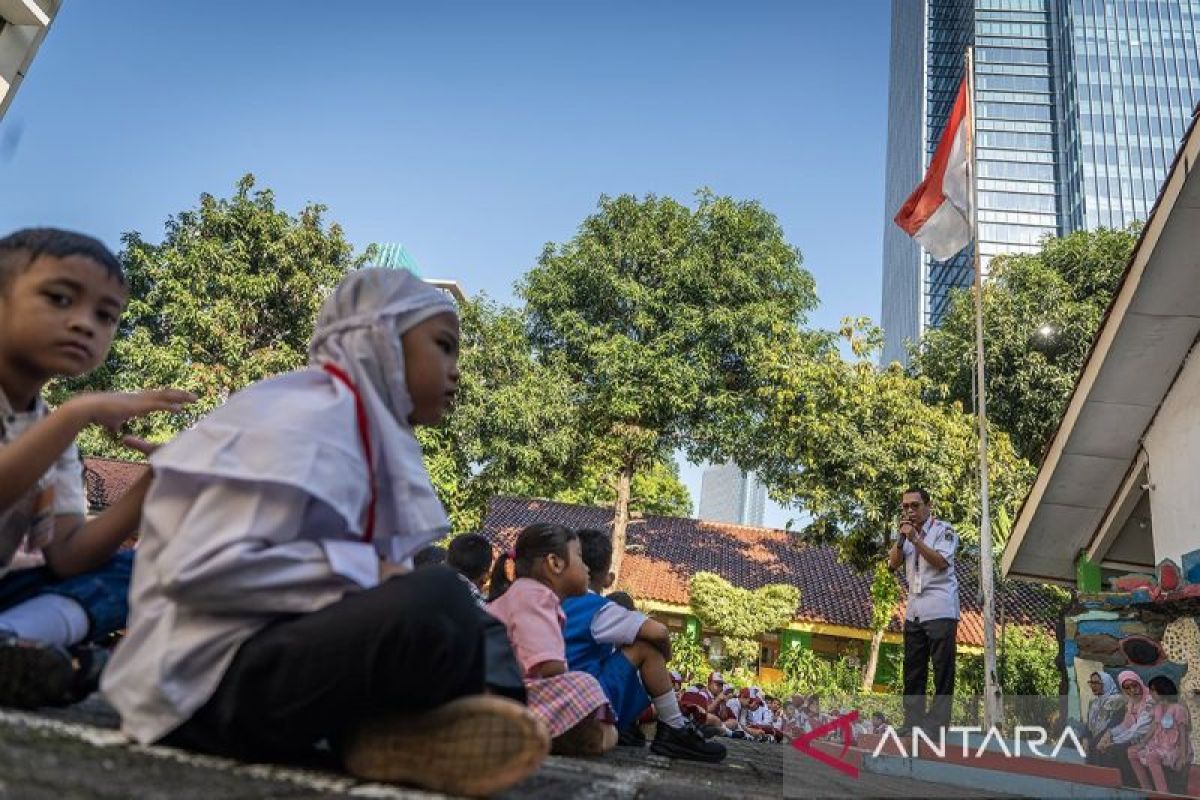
(989, 779)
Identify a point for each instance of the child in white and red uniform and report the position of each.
(272, 603)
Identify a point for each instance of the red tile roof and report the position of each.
(664, 552)
(107, 480)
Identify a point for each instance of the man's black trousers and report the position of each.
(925, 641)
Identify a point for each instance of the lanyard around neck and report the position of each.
(364, 434)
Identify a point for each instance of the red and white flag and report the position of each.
(938, 212)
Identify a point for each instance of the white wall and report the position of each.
(1173, 448)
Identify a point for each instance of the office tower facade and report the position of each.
(1079, 108)
(23, 26)
(729, 495)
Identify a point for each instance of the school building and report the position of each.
(833, 617)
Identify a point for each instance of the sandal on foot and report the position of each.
(473, 746)
(589, 738)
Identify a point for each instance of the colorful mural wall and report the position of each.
(1148, 624)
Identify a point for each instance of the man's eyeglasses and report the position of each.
(913, 506)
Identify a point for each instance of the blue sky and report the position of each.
(473, 132)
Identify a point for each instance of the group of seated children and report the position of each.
(271, 607)
(591, 667)
(1144, 732)
(722, 710)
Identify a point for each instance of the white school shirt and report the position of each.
(757, 717)
(932, 593)
(616, 625)
(220, 555)
(18, 548)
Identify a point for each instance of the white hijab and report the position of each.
(359, 330)
(299, 429)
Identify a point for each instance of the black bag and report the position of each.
(502, 674)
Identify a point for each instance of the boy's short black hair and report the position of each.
(623, 599)
(597, 551)
(21, 248)
(470, 554)
(429, 556)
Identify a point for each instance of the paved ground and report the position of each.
(76, 753)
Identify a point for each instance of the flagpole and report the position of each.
(992, 710)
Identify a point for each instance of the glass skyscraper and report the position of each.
(729, 495)
(1080, 105)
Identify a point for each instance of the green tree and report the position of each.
(688, 658)
(229, 296)
(656, 489)
(885, 594)
(1041, 313)
(806, 672)
(655, 310)
(1027, 668)
(841, 439)
(515, 429)
(741, 616)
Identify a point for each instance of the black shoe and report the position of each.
(90, 661)
(34, 674)
(631, 737)
(712, 731)
(687, 743)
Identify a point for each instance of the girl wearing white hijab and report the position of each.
(271, 605)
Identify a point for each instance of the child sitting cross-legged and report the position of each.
(548, 569)
(628, 653)
(63, 578)
(274, 613)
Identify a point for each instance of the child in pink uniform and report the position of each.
(1169, 744)
(572, 705)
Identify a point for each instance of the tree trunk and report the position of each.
(872, 660)
(621, 518)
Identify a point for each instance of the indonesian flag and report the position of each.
(938, 212)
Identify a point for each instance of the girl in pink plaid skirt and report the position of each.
(548, 567)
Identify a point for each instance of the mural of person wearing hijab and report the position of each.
(1106, 710)
(1114, 745)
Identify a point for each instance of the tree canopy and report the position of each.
(654, 309)
(840, 439)
(515, 429)
(1041, 313)
(228, 297)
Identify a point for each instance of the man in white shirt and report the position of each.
(925, 546)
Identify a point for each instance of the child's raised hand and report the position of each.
(114, 409)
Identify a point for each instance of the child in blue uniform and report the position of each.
(627, 653)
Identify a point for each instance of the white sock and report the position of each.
(50, 618)
(667, 708)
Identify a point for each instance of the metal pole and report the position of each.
(992, 710)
